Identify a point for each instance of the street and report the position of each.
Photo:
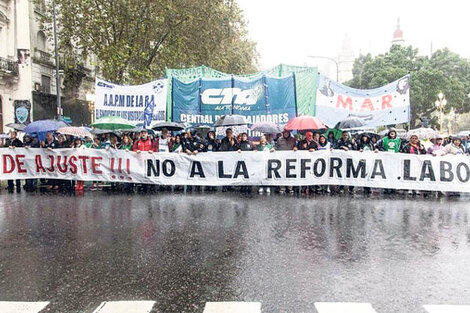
(183, 250)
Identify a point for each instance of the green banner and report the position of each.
(305, 82)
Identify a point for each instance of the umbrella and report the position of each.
(74, 131)
(462, 133)
(266, 128)
(350, 122)
(231, 120)
(112, 123)
(104, 131)
(171, 126)
(304, 123)
(422, 133)
(16, 126)
(44, 126)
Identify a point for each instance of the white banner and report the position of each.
(367, 169)
(141, 103)
(386, 105)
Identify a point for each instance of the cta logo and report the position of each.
(104, 85)
(226, 95)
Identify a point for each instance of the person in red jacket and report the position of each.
(145, 143)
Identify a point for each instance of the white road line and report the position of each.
(344, 307)
(232, 307)
(125, 307)
(447, 308)
(22, 307)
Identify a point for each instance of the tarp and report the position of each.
(140, 103)
(305, 82)
(280, 168)
(387, 105)
(261, 99)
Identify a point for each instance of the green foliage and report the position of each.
(134, 41)
(444, 72)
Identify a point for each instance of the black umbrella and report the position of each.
(171, 126)
(231, 120)
(16, 126)
(350, 122)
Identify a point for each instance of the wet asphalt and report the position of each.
(183, 250)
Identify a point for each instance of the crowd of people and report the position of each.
(190, 142)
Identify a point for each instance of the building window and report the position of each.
(41, 41)
(45, 84)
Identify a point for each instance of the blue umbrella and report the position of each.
(44, 126)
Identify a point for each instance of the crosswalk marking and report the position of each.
(22, 307)
(447, 308)
(344, 307)
(232, 307)
(125, 307)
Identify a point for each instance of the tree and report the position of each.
(133, 41)
(444, 72)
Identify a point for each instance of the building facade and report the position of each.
(27, 69)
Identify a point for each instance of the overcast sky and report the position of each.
(287, 31)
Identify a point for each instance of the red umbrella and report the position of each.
(304, 123)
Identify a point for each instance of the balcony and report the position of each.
(8, 67)
(43, 57)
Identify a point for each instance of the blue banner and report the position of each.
(387, 105)
(264, 98)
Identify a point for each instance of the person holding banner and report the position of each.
(308, 143)
(211, 144)
(244, 144)
(228, 142)
(12, 143)
(51, 143)
(390, 143)
(346, 143)
(286, 143)
(145, 143)
(266, 147)
(414, 146)
(455, 147)
(29, 142)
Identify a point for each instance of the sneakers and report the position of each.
(260, 190)
(268, 190)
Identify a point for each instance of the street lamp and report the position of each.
(451, 120)
(56, 53)
(90, 98)
(440, 104)
(328, 58)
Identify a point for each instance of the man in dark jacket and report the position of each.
(308, 143)
(228, 142)
(12, 143)
(211, 144)
(345, 143)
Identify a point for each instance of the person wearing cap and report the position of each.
(437, 149)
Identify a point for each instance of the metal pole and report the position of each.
(331, 59)
(56, 52)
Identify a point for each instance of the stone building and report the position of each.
(27, 69)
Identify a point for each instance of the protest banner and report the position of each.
(140, 103)
(280, 168)
(262, 99)
(387, 105)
